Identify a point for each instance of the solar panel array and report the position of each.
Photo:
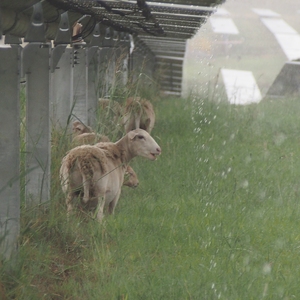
(159, 29)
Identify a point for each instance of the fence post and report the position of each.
(121, 58)
(9, 150)
(125, 46)
(138, 61)
(60, 86)
(62, 90)
(107, 64)
(93, 61)
(36, 67)
(79, 74)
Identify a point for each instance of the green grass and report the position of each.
(215, 217)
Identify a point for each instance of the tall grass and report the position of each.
(215, 217)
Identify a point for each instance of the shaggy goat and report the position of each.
(138, 113)
(130, 179)
(79, 128)
(98, 171)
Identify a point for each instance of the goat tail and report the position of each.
(86, 169)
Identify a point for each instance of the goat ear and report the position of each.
(131, 134)
(147, 123)
(78, 128)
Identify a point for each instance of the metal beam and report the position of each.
(180, 8)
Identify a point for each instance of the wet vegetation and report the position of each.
(215, 217)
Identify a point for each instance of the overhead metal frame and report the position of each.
(162, 28)
(159, 31)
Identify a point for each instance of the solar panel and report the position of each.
(161, 27)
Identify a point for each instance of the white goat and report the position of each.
(92, 139)
(98, 171)
(138, 113)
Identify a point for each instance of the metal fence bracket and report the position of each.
(94, 43)
(36, 30)
(63, 35)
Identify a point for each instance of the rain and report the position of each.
(246, 56)
(242, 48)
(217, 215)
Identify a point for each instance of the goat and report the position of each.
(138, 113)
(79, 128)
(98, 171)
(93, 138)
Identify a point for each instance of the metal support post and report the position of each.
(38, 156)
(62, 90)
(121, 55)
(80, 77)
(36, 67)
(61, 61)
(9, 150)
(93, 75)
(138, 64)
(107, 64)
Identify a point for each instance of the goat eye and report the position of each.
(141, 137)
